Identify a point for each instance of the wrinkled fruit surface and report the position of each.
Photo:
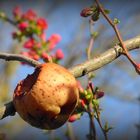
(46, 98)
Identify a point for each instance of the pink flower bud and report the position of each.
(59, 54)
(42, 24)
(17, 11)
(46, 57)
(74, 117)
(29, 43)
(25, 54)
(99, 94)
(30, 15)
(55, 38)
(14, 35)
(86, 12)
(22, 26)
(43, 37)
(81, 89)
(83, 102)
(36, 57)
(90, 85)
(51, 46)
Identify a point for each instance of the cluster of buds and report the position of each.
(89, 95)
(31, 29)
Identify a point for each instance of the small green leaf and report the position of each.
(95, 102)
(107, 11)
(2, 15)
(88, 97)
(95, 16)
(107, 128)
(116, 21)
(91, 75)
(95, 34)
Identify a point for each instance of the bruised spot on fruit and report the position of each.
(25, 85)
(46, 98)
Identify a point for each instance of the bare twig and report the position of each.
(78, 71)
(114, 26)
(70, 132)
(92, 129)
(7, 19)
(91, 22)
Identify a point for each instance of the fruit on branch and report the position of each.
(46, 98)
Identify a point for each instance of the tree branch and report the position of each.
(78, 70)
(104, 58)
(18, 57)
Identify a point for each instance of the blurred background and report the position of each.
(121, 103)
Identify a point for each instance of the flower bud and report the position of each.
(99, 94)
(86, 12)
(74, 117)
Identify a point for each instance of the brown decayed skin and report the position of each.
(47, 98)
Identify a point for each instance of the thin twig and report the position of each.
(7, 19)
(99, 122)
(91, 42)
(70, 132)
(92, 129)
(114, 26)
(18, 57)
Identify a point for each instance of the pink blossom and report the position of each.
(30, 15)
(83, 102)
(42, 24)
(17, 11)
(25, 54)
(29, 43)
(43, 37)
(59, 54)
(33, 55)
(23, 25)
(46, 57)
(51, 46)
(55, 38)
(74, 117)
(81, 89)
(36, 57)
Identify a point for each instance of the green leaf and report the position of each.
(107, 11)
(91, 75)
(95, 16)
(116, 21)
(107, 128)
(95, 102)
(95, 34)
(2, 15)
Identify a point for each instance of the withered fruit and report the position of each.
(46, 98)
